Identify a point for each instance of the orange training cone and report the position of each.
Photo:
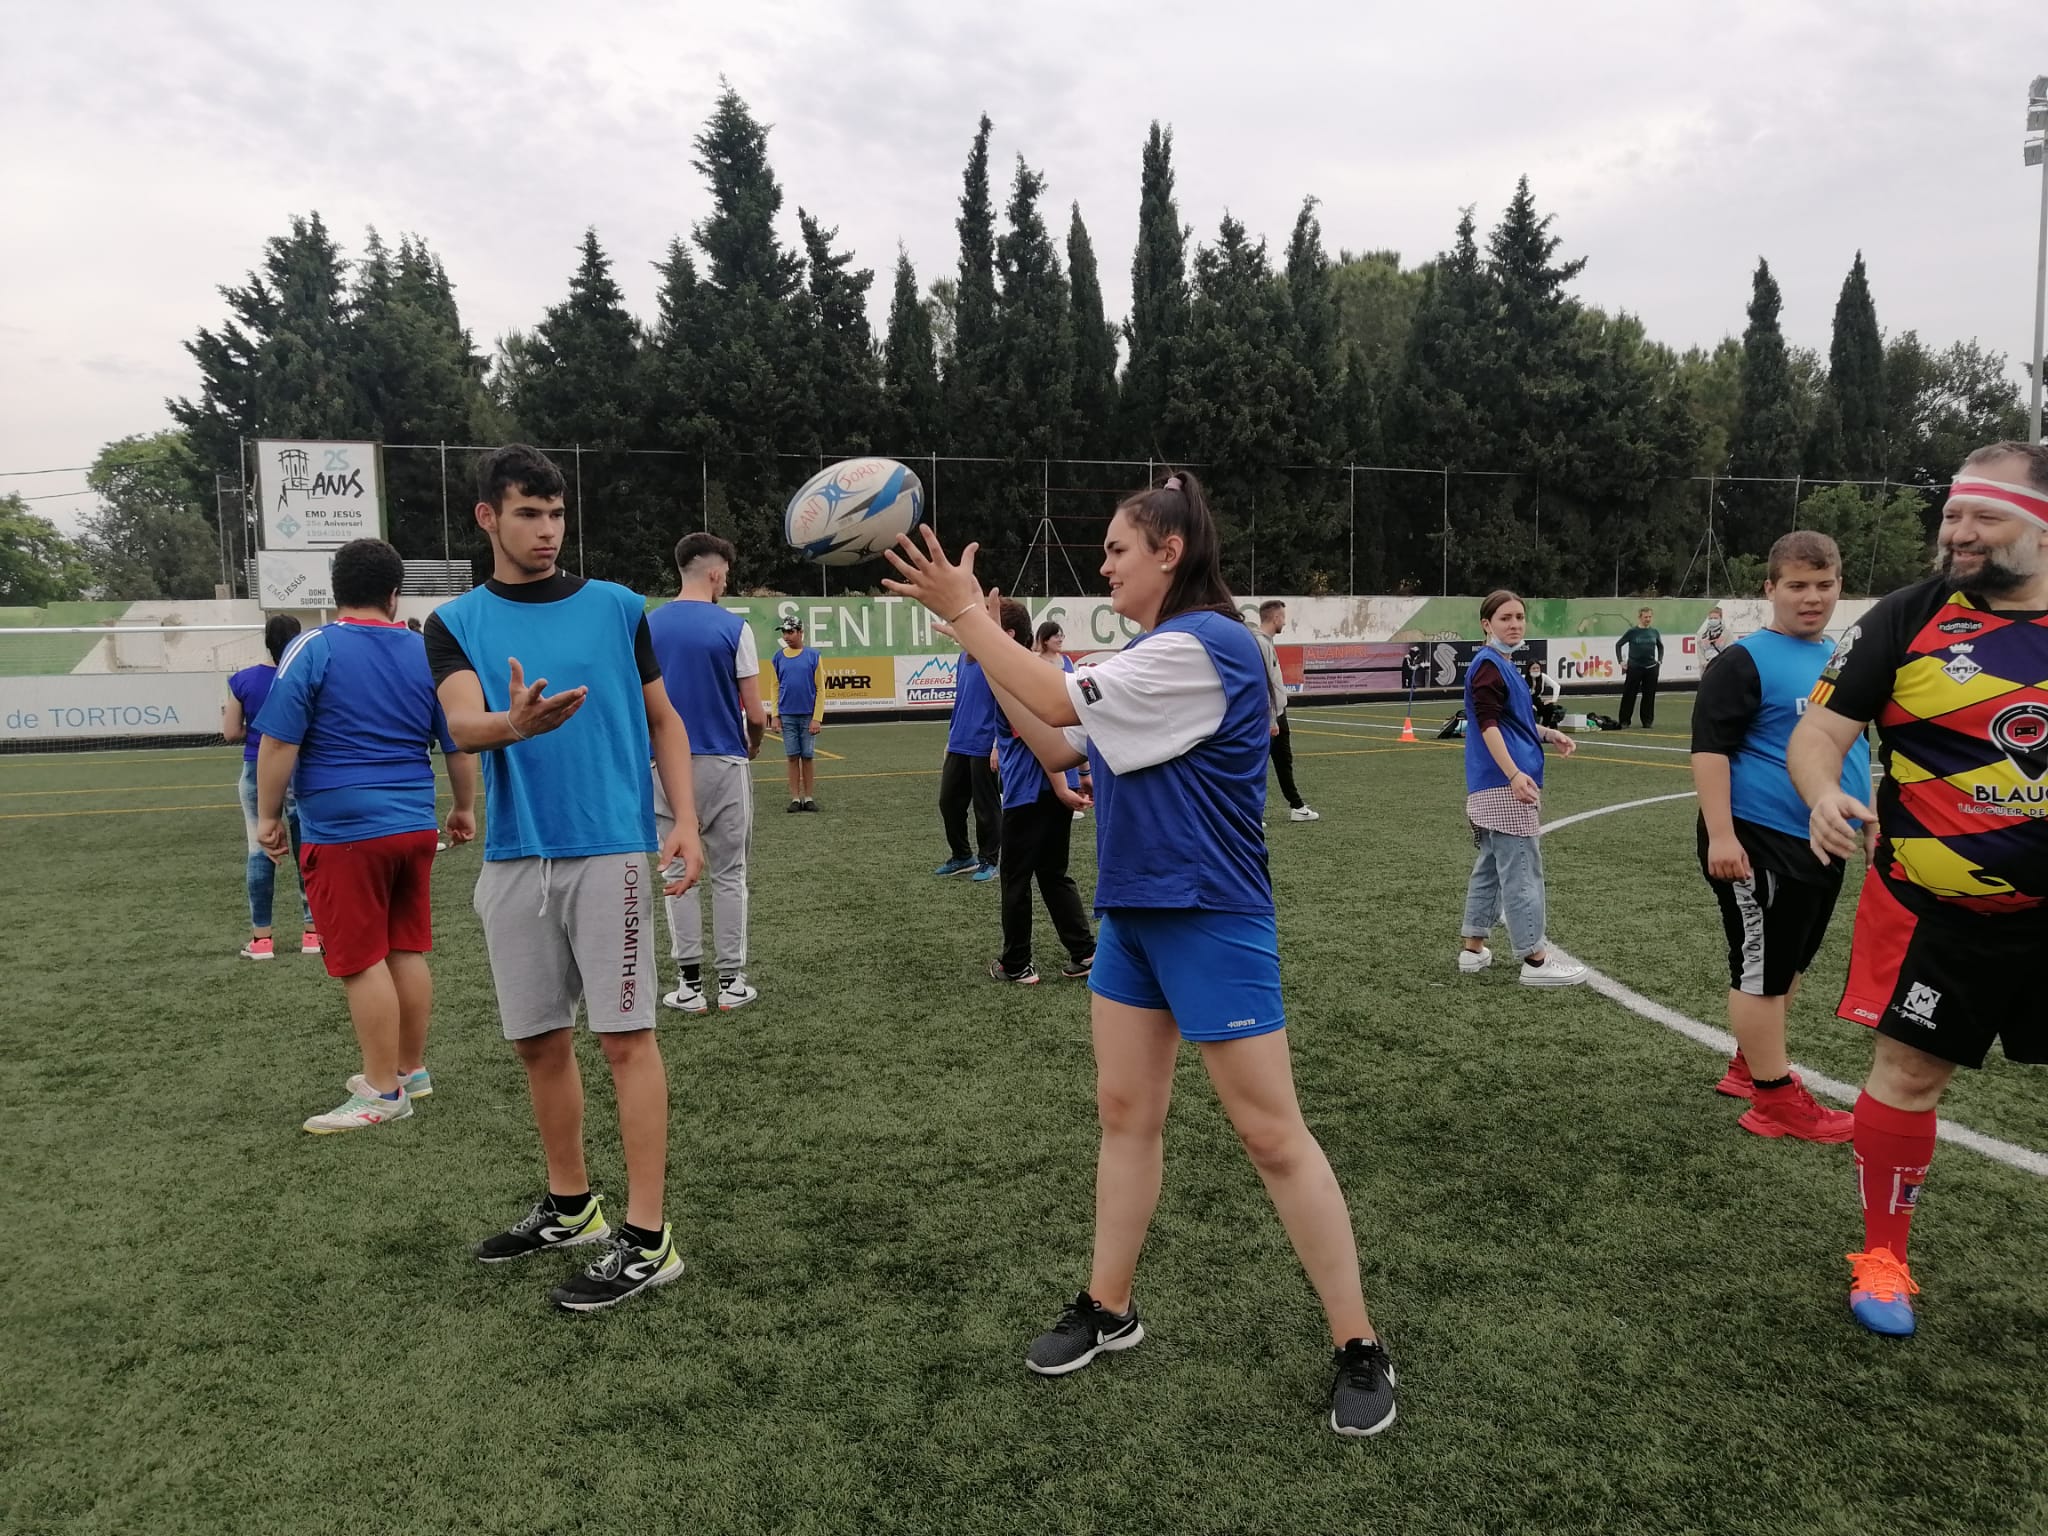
(1408, 728)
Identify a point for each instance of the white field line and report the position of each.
(1601, 739)
(2023, 1158)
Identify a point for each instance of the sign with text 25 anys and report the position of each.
(318, 495)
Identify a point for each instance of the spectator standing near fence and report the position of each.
(1641, 654)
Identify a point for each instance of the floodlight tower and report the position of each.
(2037, 154)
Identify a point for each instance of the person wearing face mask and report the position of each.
(1503, 802)
(1176, 727)
(1953, 916)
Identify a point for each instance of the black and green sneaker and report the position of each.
(544, 1227)
(625, 1271)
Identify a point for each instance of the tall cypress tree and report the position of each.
(970, 381)
(1856, 376)
(1767, 440)
(1312, 339)
(1159, 301)
(910, 366)
(1094, 369)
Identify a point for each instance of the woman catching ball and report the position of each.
(1175, 728)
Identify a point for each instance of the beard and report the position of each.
(2001, 572)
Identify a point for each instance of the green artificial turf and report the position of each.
(1612, 1311)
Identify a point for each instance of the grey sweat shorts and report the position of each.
(560, 931)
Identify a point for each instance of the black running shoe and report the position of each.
(1027, 977)
(544, 1227)
(623, 1272)
(1074, 970)
(795, 806)
(1362, 1396)
(1084, 1330)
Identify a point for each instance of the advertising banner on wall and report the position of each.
(78, 704)
(318, 495)
(294, 578)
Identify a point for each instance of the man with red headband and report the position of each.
(1953, 919)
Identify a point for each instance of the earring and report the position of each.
(1166, 567)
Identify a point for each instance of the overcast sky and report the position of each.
(152, 148)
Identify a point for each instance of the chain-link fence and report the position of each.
(1344, 529)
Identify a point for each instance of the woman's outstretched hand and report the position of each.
(948, 590)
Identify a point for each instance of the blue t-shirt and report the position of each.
(357, 699)
(697, 644)
(973, 731)
(583, 789)
(1517, 726)
(1749, 703)
(1024, 780)
(1185, 833)
(796, 682)
(250, 687)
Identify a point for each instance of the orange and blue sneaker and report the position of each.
(1879, 1290)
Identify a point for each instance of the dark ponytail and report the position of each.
(279, 632)
(1176, 505)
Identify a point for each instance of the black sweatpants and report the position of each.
(1036, 838)
(964, 779)
(1639, 681)
(1283, 764)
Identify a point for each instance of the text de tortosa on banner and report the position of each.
(318, 496)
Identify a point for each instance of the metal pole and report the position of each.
(1351, 534)
(220, 530)
(581, 564)
(2040, 290)
(1710, 537)
(704, 478)
(1797, 481)
(1877, 527)
(1444, 585)
(1045, 520)
(934, 493)
(445, 555)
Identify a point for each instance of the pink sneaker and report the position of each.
(1736, 1081)
(259, 949)
(310, 944)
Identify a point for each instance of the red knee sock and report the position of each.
(1893, 1148)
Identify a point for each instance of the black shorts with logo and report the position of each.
(1946, 984)
(1775, 922)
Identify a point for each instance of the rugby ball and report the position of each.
(853, 511)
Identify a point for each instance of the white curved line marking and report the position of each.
(2023, 1158)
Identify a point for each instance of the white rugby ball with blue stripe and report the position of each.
(853, 511)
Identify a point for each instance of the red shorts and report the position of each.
(371, 898)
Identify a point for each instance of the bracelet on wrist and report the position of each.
(517, 734)
(964, 612)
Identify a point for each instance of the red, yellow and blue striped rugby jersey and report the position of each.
(1960, 697)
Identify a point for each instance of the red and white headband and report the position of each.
(2027, 501)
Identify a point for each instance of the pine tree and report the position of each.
(970, 380)
(583, 392)
(848, 399)
(1768, 438)
(1856, 377)
(280, 366)
(1035, 340)
(1159, 302)
(1094, 367)
(916, 404)
(1312, 340)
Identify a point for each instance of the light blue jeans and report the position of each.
(1507, 883)
(262, 873)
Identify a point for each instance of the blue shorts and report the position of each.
(797, 736)
(1217, 973)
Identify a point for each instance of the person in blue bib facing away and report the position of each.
(1175, 727)
(713, 675)
(799, 712)
(1776, 896)
(1504, 802)
(966, 777)
(566, 894)
(247, 690)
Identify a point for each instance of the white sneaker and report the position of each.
(688, 996)
(1472, 962)
(1302, 813)
(363, 1108)
(1555, 971)
(733, 992)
